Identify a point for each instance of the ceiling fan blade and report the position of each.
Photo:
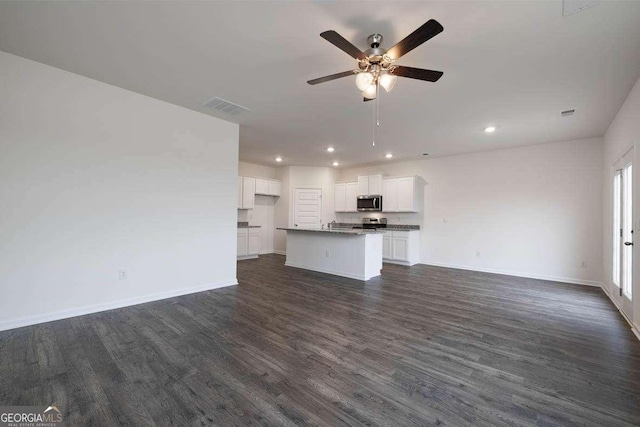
(343, 44)
(417, 73)
(428, 30)
(367, 99)
(331, 77)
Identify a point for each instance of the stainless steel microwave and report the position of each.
(369, 203)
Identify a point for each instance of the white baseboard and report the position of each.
(279, 252)
(323, 270)
(517, 274)
(95, 308)
(394, 261)
(240, 258)
(634, 328)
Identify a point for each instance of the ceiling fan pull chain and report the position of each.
(373, 128)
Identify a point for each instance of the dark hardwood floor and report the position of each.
(417, 346)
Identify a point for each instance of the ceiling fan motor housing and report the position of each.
(374, 40)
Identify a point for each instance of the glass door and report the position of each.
(622, 250)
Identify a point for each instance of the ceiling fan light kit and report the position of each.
(376, 65)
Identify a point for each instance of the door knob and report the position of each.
(628, 243)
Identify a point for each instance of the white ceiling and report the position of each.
(512, 64)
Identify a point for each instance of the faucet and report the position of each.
(330, 225)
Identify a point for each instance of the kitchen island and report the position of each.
(356, 254)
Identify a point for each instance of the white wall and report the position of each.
(263, 213)
(97, 179)
(623, 134)
(531, 211)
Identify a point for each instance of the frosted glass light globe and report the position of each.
(388, 81)
(370, 92)
(363, 80)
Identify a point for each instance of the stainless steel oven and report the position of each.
(369, 203)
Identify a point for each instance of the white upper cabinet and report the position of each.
(274, 187)
(340, 198)
(346, 197)
(267, 187)
(370, 184)
(389, 195)
(249, 187)
(363, 185)
(406, 195)
(400, 195)
(248, 192)
(351, 197)
(262, 186)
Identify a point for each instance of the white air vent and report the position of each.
(569, 7)
(220, 104)
(566, 113)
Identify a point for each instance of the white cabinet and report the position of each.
(239, 192)
(340, 197)
(386, 245)
(254, 241)
(262, 186)
(345, 197)
(406, 195)
(401, 195)
(390, 195)
(248, 192)
(267, 187)
(248, 243)
(274, 187)
(363, 185)
(351, 193)
(243, 242)
(401, 247)
(370, 184)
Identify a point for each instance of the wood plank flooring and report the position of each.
(417, 346)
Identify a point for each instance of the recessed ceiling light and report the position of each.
(336, 164)
(278, 159)
(490, 129)
(388, 155)
(330, 149)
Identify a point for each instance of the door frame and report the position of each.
(617, 295)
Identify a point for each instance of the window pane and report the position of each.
(627, 227)
(616, 229)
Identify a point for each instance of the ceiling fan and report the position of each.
(376, 65)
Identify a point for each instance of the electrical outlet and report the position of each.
(584, 264)
(122, 274)
(478, 254)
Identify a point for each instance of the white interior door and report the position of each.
(307, 208)
(622, 232)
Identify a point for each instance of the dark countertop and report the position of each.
(350, 231)
(403, 227)
(246, 225)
